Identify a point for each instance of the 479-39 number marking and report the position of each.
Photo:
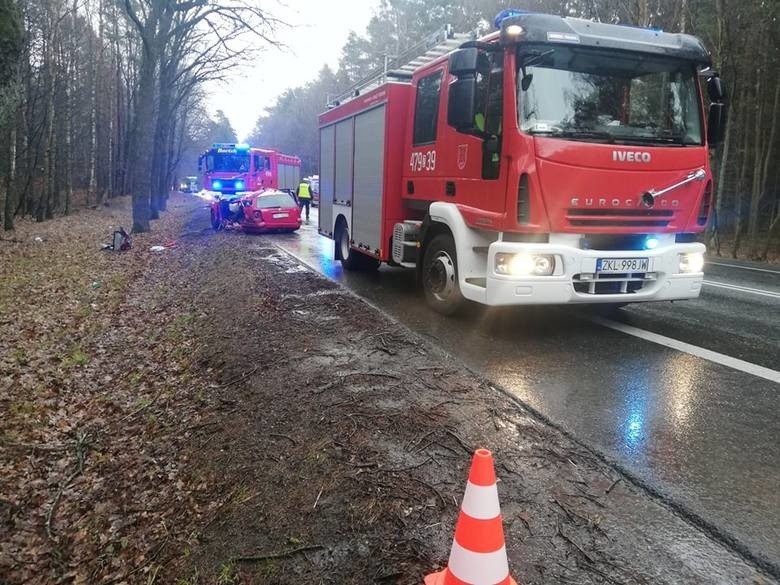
(423, 161)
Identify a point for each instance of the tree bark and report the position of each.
(142, 141)
(10, 180)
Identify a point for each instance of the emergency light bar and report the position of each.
(227, 148)
(508, 13)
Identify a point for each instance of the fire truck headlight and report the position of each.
(524, 264)
(216, 185)
(690, 263)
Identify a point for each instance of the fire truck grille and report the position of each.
(612, 284)
(619, 217)
(228, 185)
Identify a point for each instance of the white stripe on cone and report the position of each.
(481, 502)
(478, 568)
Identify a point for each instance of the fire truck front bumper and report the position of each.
(549, 274)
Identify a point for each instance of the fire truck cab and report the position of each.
(234, 168)
(554, 161)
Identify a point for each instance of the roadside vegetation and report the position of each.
(105, 97)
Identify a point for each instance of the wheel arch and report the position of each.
(341, 220)
(445, 217)
(429, 230)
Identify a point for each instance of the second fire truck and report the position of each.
(232, 168)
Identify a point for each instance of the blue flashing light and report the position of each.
(240, 185)
(651, 243)
(216, 185)
(242, 146)
(508, 13)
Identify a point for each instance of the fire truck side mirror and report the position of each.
(716, 89)
(716, 124)
(461, 104)
(463, 62)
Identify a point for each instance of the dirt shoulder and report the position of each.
(217, 413)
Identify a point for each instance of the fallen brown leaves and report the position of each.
(94, 361)
(217, 414)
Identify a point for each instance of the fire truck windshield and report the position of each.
(594, 95)
(228, 162)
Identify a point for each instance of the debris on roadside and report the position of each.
(162, 248)
(120, 241)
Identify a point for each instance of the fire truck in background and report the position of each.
(556, 160)
(232, 168)
(236, 174)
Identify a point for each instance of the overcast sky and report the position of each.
(319, 31)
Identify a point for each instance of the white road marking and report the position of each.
(744, 289)
(743, 267)
(694, 350)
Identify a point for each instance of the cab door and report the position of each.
(474, 152)
(424, 175)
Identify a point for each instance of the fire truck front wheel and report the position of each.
(440, 276)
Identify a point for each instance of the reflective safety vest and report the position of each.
(303, 191)
(479, 121)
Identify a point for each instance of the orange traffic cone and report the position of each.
(478, 555)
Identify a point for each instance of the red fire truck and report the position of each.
(232, 168)
(556, 160)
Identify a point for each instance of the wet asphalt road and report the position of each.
(703, 435)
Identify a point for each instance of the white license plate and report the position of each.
(280, 215)
(618, 265)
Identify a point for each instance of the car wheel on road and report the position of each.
(440, 276)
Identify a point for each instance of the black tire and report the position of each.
(351, 260)
(440, 276)
(216, 224)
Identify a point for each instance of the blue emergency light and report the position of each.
(239, 185)
(242, 146)
(651, 243)
(508, 13)
(216, 185)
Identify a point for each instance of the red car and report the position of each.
(265, 211)
(271, 211)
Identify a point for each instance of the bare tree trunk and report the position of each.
(92, 187)
(739, 221)
(69, 106)
(10, 180)
(774, 229)
(161, 137)
(758, 159)
(141, 146)
(44, 202)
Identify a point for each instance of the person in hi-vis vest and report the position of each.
(304, 197)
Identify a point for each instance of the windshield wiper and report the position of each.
(584, 134)
(676, 140)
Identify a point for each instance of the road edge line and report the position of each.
(693, 350)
